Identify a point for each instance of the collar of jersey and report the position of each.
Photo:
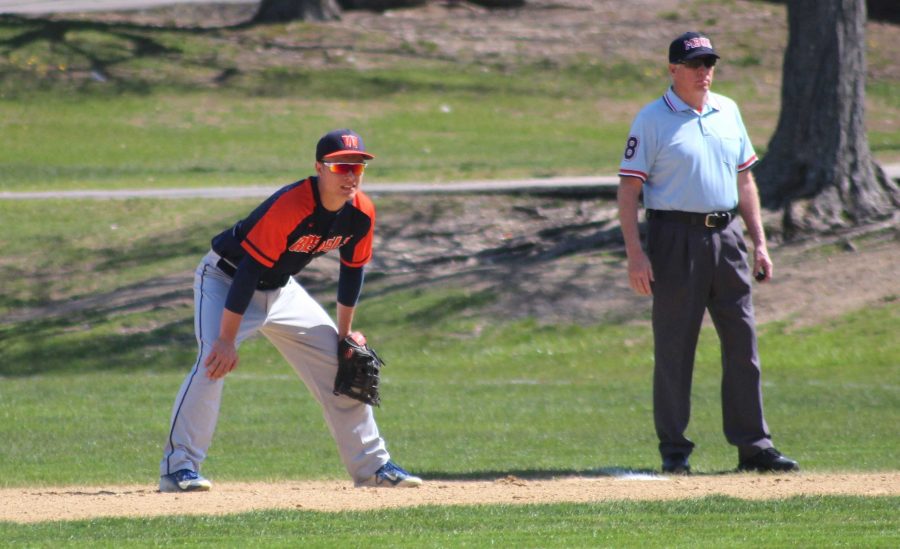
(313, 181)
(677, 105)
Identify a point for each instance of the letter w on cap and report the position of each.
(350, 141)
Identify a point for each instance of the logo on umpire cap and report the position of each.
(350, 141)
(697, 42)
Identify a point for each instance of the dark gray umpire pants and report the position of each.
(698, 268)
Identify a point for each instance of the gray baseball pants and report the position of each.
(695, 269)
(307, 338)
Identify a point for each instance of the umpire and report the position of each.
(689, 153)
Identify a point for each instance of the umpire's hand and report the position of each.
(640, 273)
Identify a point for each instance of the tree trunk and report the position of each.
(819, 167)
(278, 11)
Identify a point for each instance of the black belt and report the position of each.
(230, 270)
(712, 220)
(226, 267)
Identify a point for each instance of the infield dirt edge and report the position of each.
(30, 505)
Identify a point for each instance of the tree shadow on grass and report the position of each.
(536, 277)
(121, 43)
(136, 326)
(109, 263)
(67, 346)
(508, 282)
(123, 57)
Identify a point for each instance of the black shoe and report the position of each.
(769, 460)
(676, 464)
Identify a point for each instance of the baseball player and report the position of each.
(689, 153)
(245, 285)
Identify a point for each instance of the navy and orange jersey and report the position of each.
(291, 228)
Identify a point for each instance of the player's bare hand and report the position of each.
(221, 360)
(357, 337)
(640, 273)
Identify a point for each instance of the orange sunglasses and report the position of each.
(343, 168)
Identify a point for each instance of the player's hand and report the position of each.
(640, 273)
(221, 360)
(358, 337)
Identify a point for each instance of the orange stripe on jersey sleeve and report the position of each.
(362, 252)
(268, 239)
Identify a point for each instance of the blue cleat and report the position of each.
(184, 480)
(391, 476)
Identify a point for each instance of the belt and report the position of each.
(229, 269)
(226, 267)
(712, 220)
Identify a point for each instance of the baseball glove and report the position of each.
(359, 371)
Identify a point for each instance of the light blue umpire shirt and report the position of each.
(688, 161)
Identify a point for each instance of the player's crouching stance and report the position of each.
(245, 285)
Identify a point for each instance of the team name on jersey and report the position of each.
(309, 243)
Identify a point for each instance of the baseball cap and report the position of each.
(340, 143)
(690, 45)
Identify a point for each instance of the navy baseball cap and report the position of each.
(341, 143)
(691, 45)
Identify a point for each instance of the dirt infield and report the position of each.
(26, 505)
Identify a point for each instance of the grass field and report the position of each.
(205, 138)
(524, 399)
(85, 396)
(710, 522)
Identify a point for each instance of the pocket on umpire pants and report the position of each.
(666, 246)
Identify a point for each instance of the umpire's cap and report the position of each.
(690, 45)
(340, 143)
